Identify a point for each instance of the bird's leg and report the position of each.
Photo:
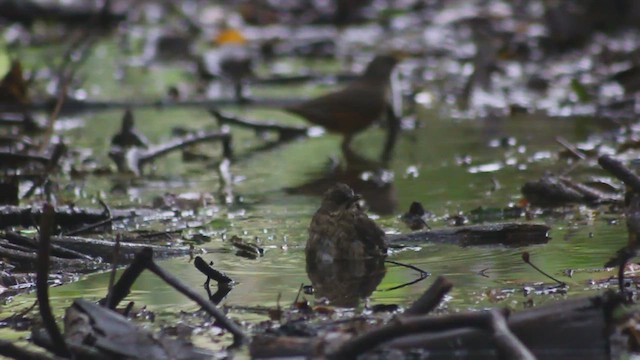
(393, 127)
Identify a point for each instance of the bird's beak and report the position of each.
(355, 199)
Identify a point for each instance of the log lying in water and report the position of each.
(509, 234)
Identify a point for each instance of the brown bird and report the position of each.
(340, 230)
(415, 218)
(354, 108)
(129, 136)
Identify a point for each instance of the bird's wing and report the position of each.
(369, 232)
(334, 108)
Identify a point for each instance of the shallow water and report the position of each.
(425, 168)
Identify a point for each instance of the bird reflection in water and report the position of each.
(344, 283)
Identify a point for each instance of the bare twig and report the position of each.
(423, 275)
(572, 149)
(526, 259)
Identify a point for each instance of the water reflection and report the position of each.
(345, 283)
(369, 178)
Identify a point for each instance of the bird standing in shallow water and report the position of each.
(340, 230)
(356, 107)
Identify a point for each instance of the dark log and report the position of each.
(509, 234)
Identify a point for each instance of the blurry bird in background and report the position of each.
(231, 61)
(357, 106)
(415, 218)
